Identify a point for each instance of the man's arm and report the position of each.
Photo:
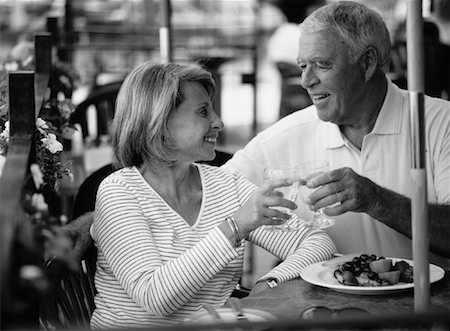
(394, 210)
(78, 230)
(359, 194)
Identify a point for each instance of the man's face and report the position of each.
(335, 84)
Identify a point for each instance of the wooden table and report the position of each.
(288, 300)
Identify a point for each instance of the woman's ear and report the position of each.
(369, 62)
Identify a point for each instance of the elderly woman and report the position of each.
(170, 232)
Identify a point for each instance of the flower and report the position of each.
(52, 144)
(41, 125)
(38, 202)
(2, 164)
(47, 153)
(36, 173)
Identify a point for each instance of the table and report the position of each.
(289, 299)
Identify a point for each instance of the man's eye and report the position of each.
(322, 65)
(203, 112)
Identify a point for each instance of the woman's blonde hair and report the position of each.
(147, 97)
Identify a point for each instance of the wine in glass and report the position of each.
(307, 171)
(289, 192)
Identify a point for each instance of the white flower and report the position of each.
(5, 133)
(52, 144)
(36, 173)
(11, 66)
(41, 125)
(38, 202)
(2, 164)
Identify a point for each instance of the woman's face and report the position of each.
(194, 126)
(335, 83)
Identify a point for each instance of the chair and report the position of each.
(103, 99)
(69, 303)
(293, 95)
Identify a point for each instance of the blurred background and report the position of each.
(250, 46)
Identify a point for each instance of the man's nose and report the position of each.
(308, 78)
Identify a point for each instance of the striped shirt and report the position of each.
(154, 269)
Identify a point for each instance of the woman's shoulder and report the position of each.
(124, 177)
(223, 176)
(213, 171)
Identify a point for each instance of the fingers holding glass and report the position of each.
(284, 180)
(312, 171)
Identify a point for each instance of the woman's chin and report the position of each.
(208, 157)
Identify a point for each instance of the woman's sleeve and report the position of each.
(297, 249)
(128, 244)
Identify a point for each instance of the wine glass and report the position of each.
(289, 192)
(307, 171)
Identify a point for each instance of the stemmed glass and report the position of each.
(307, 171)
(289, 192)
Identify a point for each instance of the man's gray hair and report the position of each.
(359, 27)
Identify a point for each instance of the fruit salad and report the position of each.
(370, 270)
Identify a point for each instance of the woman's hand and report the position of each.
(260, 208)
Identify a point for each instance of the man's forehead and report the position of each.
(320, 44)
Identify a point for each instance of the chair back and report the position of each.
(69, 303)
(103, 100)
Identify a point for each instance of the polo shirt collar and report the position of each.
(333, 137)
(388, 121)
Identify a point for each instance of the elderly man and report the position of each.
(359, 123)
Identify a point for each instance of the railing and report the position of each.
(27, 91)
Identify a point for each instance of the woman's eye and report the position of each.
(203, 112)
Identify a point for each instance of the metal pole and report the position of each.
(419, 200)
(165, 31)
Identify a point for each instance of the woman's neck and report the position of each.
(172, 182)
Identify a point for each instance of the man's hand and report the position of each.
(342, 190)
(78, 230)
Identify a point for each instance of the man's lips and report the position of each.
(316, 97)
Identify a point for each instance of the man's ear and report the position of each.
(370, 62)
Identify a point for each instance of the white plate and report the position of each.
(321, 275)
(229, 316)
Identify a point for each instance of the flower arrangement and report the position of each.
(53, 123)
(52, 126)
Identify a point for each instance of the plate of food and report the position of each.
(366, 274)
(228, 315)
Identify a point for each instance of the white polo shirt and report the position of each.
(384, 158)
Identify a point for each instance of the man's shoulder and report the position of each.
(437, 108)
(437, 102)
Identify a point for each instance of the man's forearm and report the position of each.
(394, 210)
(78, 229)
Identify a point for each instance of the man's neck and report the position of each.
(356, 132)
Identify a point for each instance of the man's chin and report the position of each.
(324, 115)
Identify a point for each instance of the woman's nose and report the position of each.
(217, 123)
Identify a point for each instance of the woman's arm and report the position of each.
(297, 249)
